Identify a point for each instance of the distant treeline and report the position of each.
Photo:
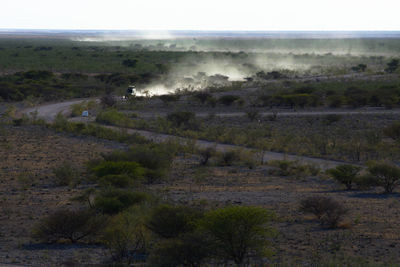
(47, 85)
(353, 96)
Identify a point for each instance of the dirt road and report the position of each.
(49, 111)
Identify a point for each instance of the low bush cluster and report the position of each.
(113, 117)
(345, 174)
(68, 224)
(190, 237)
(386, 175)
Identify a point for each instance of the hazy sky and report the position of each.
(201, 15)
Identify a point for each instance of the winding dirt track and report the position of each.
(49, 111)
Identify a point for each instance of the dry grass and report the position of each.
(27, 191)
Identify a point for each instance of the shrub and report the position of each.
(117, 180)
(206, 154)
(67, 224)
(132, 169)
(392, 66)
(228, 100)
(108, 101)
(130, 63)
(65, 174)
(356, 97)
(202, 97)
(227, 158)
(393, 131)
(155, 158)
(184, 119)
(253, 114)
(112, 201)
(345, 174)
(127, 237)
(113, 117)
(171, 221)
(365, 181)
(385, 175)
(328, 211)
(238, 231)
(189, 250)
(169, 98)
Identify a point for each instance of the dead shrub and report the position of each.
(328, 211)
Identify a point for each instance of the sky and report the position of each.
(218, 15)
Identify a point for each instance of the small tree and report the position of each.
(67, 224)
(182, 119)
(189, 250)
(238, 231)
(345, 174)
(126, 236)
(392, 66)
(206, 154)
(171, 221)
(385, 175)
(328, 211)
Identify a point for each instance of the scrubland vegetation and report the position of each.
(112, 190)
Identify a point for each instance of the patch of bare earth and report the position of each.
(27, 192)
(369, 233)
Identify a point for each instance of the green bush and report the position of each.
(171, 221)
(113, 201)
(155, 158)
(385, 175)
(189, 250)
(113, 117)
(117, 180)
(328, 211)
(67, 224)
(183, 119)
(132, 169)
(345, 174)
(238, 232)
(228, 100)
(365, 181)
(228, 158)
(66, 174)
(126, 236)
